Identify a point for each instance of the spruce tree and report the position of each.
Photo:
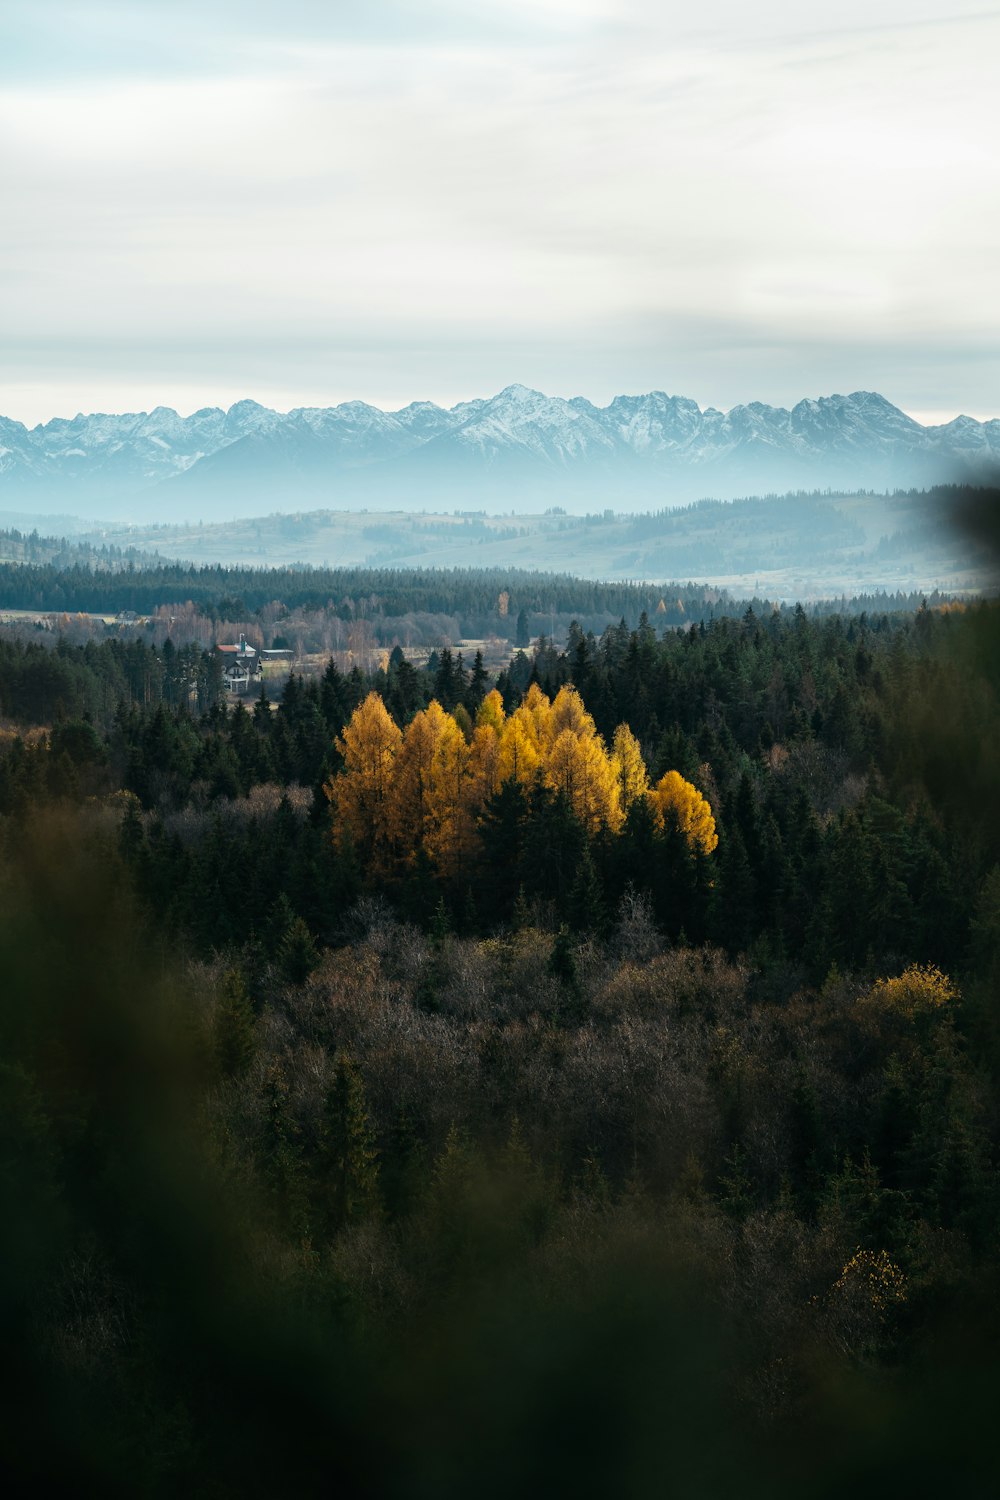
(235, 1039)
(297, 955)
(478, 684)
(586, 908)
(348, 1151)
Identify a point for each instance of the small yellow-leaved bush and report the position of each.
(920, 989)
(878, 1279)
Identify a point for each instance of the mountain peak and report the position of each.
(520, 393)
(247, 407)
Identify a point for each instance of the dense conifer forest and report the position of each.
(584, 1080)
(74, 578)
(58, 576)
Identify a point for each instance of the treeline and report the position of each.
(482, 601)
(473, 593)
(62, 552)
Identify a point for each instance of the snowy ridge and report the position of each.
(519, 443)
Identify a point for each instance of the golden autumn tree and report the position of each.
(919, 993)
(428, 806)
(569, 713)
(484, 767)
(578, 766)
(537, 708)
(520, 754)
(491, 712)
(673, 797)
(360, 793)
(484, 753)
(574, 758)
(630, 768)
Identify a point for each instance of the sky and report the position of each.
(396, 200)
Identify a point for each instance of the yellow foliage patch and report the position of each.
(424, 789)
(674, 797)
(920, 988)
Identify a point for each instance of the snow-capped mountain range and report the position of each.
(516, 447)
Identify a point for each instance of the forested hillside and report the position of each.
(440, 1084)
(805, 545)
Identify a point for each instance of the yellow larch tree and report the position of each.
(674, 797)
(360, 793)
(579, 766)
(484, 766)
(410, 785)
(426, 789)
(537, 707)
(630, 768)
(484, 757)
(520, 754)
(569, 713)
(427, 809)
(491, 712)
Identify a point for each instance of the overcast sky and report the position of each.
(311, 201)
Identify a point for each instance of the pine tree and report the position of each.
(235, 1039)
(440, 928)
(280, 1154)
(586, 907)
(446, 689)
(478, 685)
(297, 955)
(349, 1157)
(403, 1169)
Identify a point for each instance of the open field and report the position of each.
(38, 616)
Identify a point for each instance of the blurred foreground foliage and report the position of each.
(663, 1230)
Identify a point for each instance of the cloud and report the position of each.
(572, 186)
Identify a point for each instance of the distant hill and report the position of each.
(519, 448)
(795, 546)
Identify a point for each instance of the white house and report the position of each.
(241, 666)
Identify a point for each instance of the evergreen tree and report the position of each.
(586, 907)
(479, 682)
(234, 1027)
(349, 1158)
(297, 955)
(280, 1155)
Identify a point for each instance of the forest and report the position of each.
(56, 576)
(584, 1080)
(70, 580)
